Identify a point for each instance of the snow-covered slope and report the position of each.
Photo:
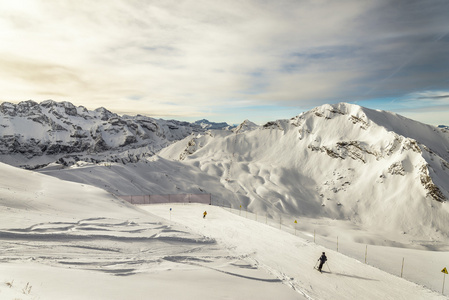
(64, 240)
(33, 134)
(341, 161)
(378, 170)
(25, 193)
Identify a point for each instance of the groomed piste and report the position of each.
(87, 244)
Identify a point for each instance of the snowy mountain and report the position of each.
(33, 134)
(372, 180)
(337, 161)
(341, 161)
(206, 124)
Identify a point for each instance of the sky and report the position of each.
(228, 60)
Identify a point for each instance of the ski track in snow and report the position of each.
(224, 244)
(265, 257)
(86, 244)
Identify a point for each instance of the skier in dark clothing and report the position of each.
(322, 260)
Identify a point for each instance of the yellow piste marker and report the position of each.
(444, 278)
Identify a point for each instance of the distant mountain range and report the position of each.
(342, 161)
(35, 134)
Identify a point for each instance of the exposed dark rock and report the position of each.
(396, 169)
(130, 139)
(432, 190)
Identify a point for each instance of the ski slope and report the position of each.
(291, 258)
(66, 240)
(224, 256)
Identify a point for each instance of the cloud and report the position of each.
(430, 107)
(39, 73)
(205, 55)
(445, 96)
(428, 100)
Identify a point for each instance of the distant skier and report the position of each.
(204, 214)
(322, 260)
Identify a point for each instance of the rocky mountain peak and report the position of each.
(105, 114)
(213, 125)
(24, 108)
(246, 125)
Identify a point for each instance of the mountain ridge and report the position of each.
(36, 134)
(355, 163)
(340, 161)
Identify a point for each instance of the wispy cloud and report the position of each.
(428, 101)
(201, 56)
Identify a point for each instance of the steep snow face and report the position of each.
(339, 161)
(33, 134)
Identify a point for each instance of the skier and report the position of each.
(204, 214)
(322, 260)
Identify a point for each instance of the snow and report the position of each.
(74, 241)
(340, 162)
(346, 174)
(292, 258)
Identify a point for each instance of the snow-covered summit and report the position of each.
(341, 161)
(246, 125)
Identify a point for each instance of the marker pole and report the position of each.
(402, 269)
(295, 226)
(444, 279)
(366, 252)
